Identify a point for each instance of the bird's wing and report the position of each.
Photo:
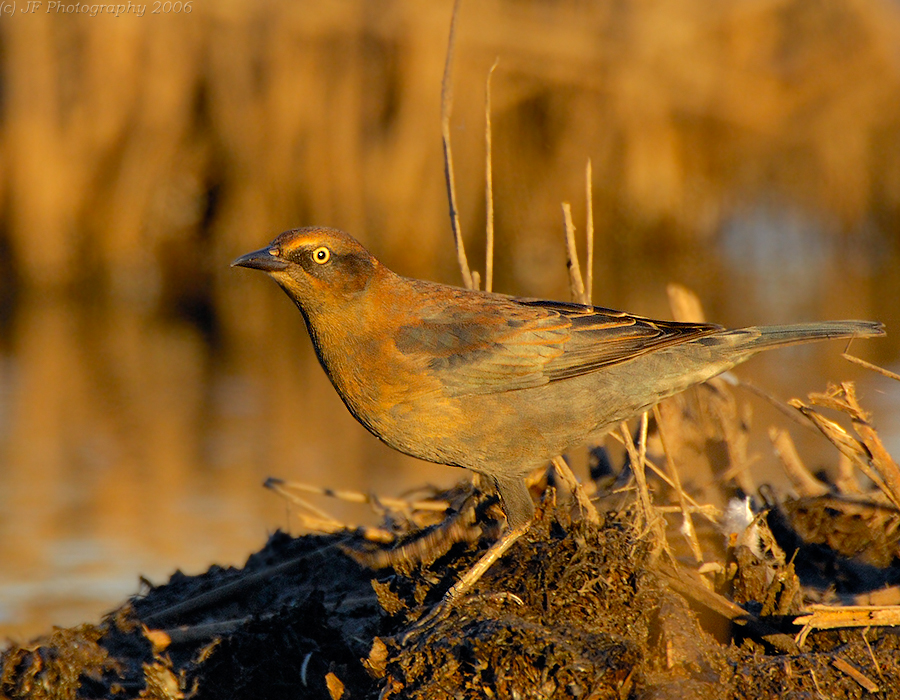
(601, 337)
(489, 343)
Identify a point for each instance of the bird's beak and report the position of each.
(266, 259)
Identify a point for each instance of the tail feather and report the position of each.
(764, 337)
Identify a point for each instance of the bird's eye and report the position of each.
(321, 255)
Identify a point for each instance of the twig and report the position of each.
(812, 674)
(872, 654)
(584, 503)
(687, 584)
(638, 459)
(869, 365)
(446, 111)
(846, 481)
(277, 486)
(202, 632)
(229, 590)
(355, 496)
(576, 284)
(489, 185)
(867, 453)
(710, 512)
(589, 233)
(806, 484)
(881, 459)
(855, 674)
(371, 534)
(425, 548)
(783, 407)
(829, 617)
(688, 522)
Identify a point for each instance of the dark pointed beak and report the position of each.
(266, 259)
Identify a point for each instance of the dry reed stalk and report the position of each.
(320, 515)
(694, 587)
(857, 675)
(846, 481)
(710, 512)
(589, 231)
(829, 617)
(685, 305)
(881, 459)
(446, 111)
(687, 527)
(489, 184)
(868, 365)
(281, 486)
(872, 655)
(649, 520)
(804, 482)
(576, 489)
(868, 453)
(321, 521)
(576, 283)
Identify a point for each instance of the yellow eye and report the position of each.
(321, 255)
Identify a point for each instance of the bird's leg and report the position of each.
(469, 579)
(472, 576)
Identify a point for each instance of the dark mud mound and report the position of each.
(574, 610)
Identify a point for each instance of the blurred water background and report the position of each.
(749, 150)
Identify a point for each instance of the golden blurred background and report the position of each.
(750, 150)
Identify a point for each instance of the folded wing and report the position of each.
(511, 344)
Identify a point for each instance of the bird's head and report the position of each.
(316, 267)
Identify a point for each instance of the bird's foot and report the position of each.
(465, 584)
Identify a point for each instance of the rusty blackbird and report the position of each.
(496, 384)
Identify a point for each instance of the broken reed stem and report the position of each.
(786, 408)
(319, 515)
(638, 459)
(868, 365)
(828, 617)
(854, 673)
(710, 512)
(576, 284)
(872, 654)
(868, 453)
(489, 185)
(280, 486)
(689, 584)
(881, 459)
(576, 489)
(446, 111)
(589, 234)
(800, 477)
(688, 522)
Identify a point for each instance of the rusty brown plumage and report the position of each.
(488, 382)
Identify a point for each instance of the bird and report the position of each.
(496, 384)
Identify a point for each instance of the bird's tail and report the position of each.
(765, 337)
